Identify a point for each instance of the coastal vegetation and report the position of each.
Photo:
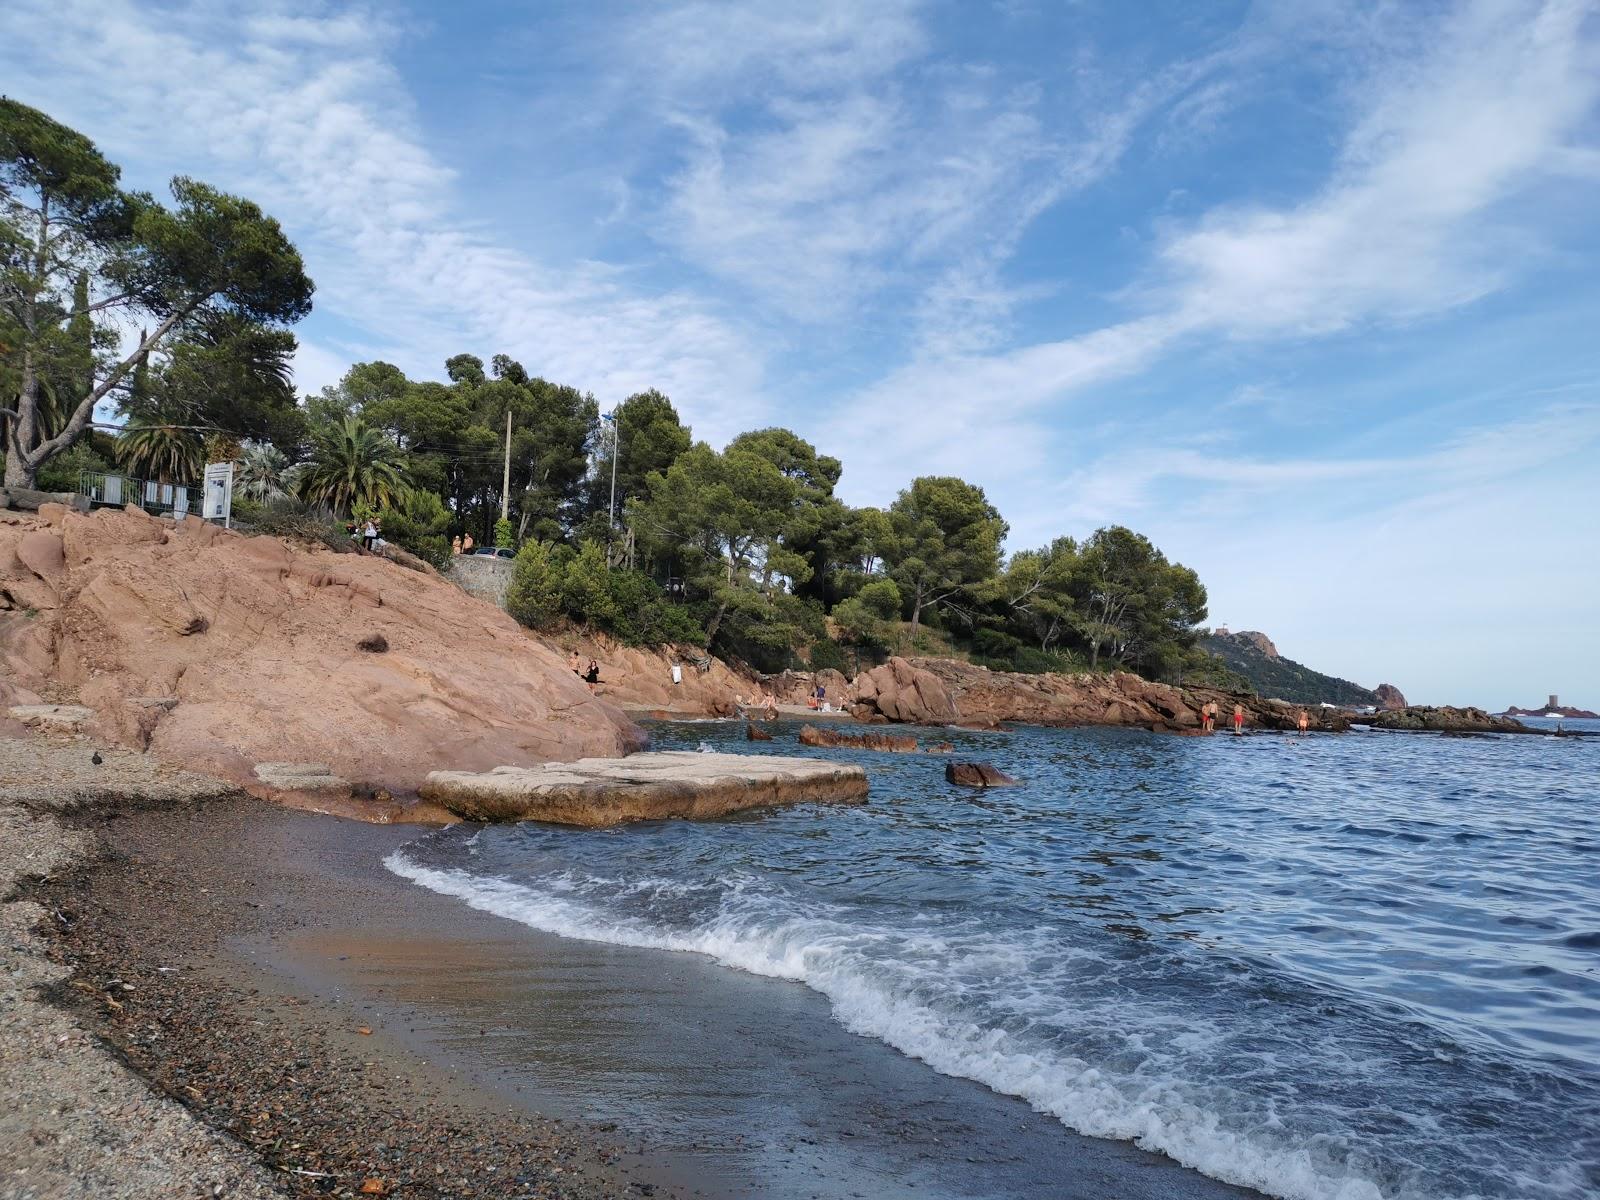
(1258, 667)
(745, 550)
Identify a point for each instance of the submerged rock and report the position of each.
(890, 743)
(977, 774)
(597, 792)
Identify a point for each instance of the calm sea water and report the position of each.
(1358, 966)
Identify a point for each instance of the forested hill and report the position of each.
(1253, 656)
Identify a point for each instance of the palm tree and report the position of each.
(148, 448)
(352, 463)
(263, 474)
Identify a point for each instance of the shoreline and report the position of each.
(259, 941)
(159, 930)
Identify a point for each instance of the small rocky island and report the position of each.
(1553, 709)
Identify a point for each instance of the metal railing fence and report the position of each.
(157, 498)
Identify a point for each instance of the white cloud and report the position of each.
(1410, 224)
(1405, 227)
(817, 178)
(306, 115)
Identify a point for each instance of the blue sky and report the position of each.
(1304, 291)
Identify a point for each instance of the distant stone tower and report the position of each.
(1555, 701)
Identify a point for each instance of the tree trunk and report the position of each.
(18, 473)
(716, 622)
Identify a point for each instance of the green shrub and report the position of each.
(534, 594)
(417, 522)
(828, 655)
(551, 581)
(64, 472)
(642, 615)
(504, 536)
(881, 598)
(858, 623)
(586, 588)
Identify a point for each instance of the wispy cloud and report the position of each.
(825, 163)
(1405, 228)
(1128, 485)
(304, 112)
(1409, 224)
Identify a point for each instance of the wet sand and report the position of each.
(261, 941)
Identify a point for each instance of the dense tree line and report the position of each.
(746, 549)
(622, 522)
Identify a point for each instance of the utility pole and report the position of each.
(611, 513)
(505, 480)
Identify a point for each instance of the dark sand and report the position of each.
(282, 934)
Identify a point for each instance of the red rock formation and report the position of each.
(796, 687)
(1259, 640)
(639, 678)
(889, 743)
(219, 651)
(1389, 697)
(901, 691)
(983, 698)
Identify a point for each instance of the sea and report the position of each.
(1335, 967)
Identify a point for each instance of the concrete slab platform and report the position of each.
(596, 792)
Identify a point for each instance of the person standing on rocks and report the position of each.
(1238, 720)
(1208, 716)
(1303, 720)
(574, 664)
(455, 544)
(466, 543)
(592, 675)
(369, 533)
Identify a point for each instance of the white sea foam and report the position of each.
(921, 991)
